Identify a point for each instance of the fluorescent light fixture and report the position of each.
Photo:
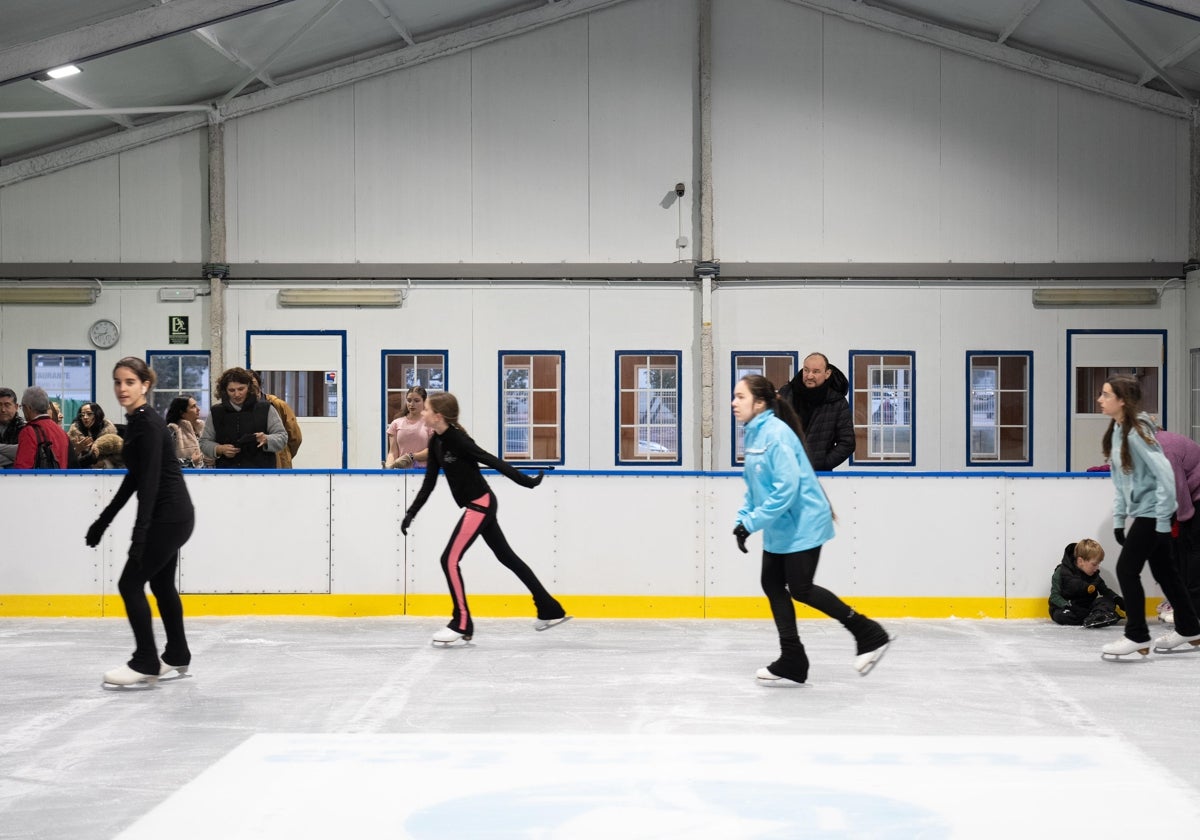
(63, 72)
(1095, 297)
(336, 296)
(48, 294)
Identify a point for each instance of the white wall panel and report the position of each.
(294, 182)
(413, 164)
(767, 131)
(999, 163)
(882, 146)
(530, 146)
(163, 190)
(642, 68)
(70, 215)
(1119, 172)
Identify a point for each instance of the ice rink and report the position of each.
(324, 727)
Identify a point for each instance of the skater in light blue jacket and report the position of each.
(785, 501)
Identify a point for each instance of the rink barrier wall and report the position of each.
(609, 545)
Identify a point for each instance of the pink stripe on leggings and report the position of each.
(469, 526)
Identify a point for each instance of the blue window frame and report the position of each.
(777, 366)
(883, 402)
(181, 373)
(999, 408)
(648, 425)
(531, 399)
(67, 376)
(403, 369)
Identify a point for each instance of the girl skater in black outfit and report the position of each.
(164, 522)
(453, 451)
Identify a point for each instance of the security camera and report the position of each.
(680, 189)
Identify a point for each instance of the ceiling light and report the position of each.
(48, 294)
(336, 296)
(63, 72)
(1095, 297)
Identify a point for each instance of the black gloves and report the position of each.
(741, 533)
(408, 518)
(136, 550)
(1162, 540)
(1119, 533)
(537, 479)
(95, 532)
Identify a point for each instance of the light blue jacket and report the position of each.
(1150, 489)
(783, 498)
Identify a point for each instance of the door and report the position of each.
(1093, 356)
(305, 370)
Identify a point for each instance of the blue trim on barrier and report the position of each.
(600, 473)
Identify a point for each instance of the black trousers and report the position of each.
(1143, 546)
(1187, 559)
(160, 559)
(790, 576)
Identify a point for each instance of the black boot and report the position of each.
(868, 635)
(792, 663)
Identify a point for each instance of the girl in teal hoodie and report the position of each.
(785, 502)
(1144, 491)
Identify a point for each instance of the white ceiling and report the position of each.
(146, 54)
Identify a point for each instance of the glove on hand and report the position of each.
(1119, 606)
(1119, 533)
(95, 532)
(537, 479)
(408, 518)
(742, 534)
(136, 550)
(1162, 540)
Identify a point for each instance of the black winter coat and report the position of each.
(1072, 587)
(825, 415)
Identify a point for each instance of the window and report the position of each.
(67, 376)
(999, 423)
(309, 393)
(648, 422)
(881, 397)
(180, 374)
(531, 400)
(1090, 380)
(777, 367)
(403, 369)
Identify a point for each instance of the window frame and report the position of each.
(560, 420)
(384, 355)
(736, 435)
(204, 399)
(619, 355)
(31, 356)
(1029, 424)
(884, 463)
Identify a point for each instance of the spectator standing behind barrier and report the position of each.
(164, 522)
(183, 419)
(1078, 595)
(1144, 491)
(407, 435)
(818, 395)
(11, 423)
(38, 427)
(785, 501)
(243, 431)
(295, 437)
(57, 416)
(1183, 454)
(89, 425)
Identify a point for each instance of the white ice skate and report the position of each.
(1173, 642)
(168, 673)
(540, 624)
(864, 663)
(1124, 647)
(126, 678)
(447, 637)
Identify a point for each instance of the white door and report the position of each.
(1094, 356)
(305, 370)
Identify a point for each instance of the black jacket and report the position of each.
(232, 426)
(459, 457)
(153, 473)
(1072, 587)
(825, 415)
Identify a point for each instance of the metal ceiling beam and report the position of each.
(1025, 12)
(120, 33)
(84, 102)
(1172, 58)
(1142, 54)
(390, 17)
(988, 50)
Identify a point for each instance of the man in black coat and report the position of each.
(818, 393)
(11, 423)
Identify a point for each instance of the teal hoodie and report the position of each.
(783, 498)
(1150, 489)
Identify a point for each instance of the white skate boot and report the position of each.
(1124, 647)
(166, 672)
(864, 663)
(540, 624)
(1173, 640)
(127, 678)
(447, 637)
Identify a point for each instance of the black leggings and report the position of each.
(159, 562)
(479, 519)
(1142, 545)
(788, 576)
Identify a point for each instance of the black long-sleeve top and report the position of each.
(153, 473)
(455, 454)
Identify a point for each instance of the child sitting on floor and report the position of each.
(1078, 595)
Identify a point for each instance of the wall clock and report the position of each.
(104, 333)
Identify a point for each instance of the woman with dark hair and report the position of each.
(244, 431)
(785, 501)
(1144, 491)
(407, 435)
(88, 427)
(452, 451)
(164, 522)
(183, 419)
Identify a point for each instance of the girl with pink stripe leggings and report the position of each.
(453, 451)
